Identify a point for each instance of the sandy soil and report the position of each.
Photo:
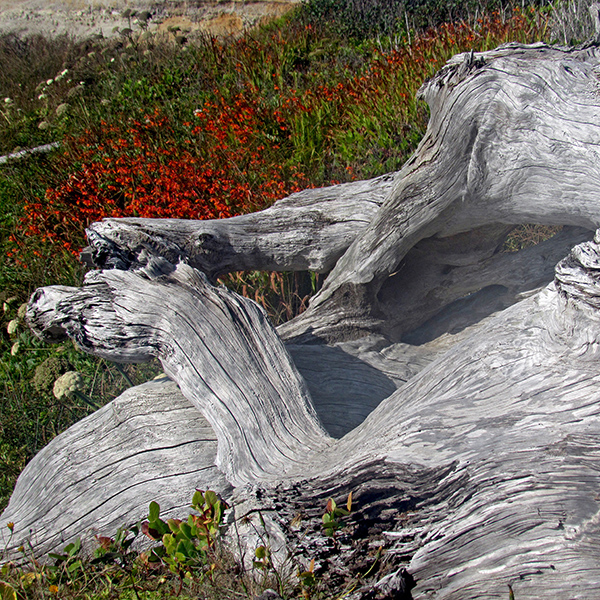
(84, 18)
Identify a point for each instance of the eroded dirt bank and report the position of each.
(84, 18)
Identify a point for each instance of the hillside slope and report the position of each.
(83, 18)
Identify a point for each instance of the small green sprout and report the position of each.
(307, 579)
(263, 558)
(331, 522)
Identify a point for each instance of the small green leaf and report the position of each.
(210, 498)
(169, 543)
(7, 592)
(307, 578)
(57, 557)
(174, 525)
(154, 511)
(74, 548)
(185, 530)
(197, 499)
(262, 520)
(260, 552)
(203, 543)
(218, 513)
(74, 567)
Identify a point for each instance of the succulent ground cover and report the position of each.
(191, 128)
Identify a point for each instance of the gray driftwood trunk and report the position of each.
(453, 388)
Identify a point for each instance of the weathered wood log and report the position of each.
(100, 475)
(309, 230)
(128, 316)
(475, 460)
(512, 140)
(500, 430)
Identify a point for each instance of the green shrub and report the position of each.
(367, 19)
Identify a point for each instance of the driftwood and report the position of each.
(453, 388)
(149, 436)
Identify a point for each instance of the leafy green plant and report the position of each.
(68, 563)
(307, 580)
(117, 550)
(333, 514)
(186, 545)
(262, 558)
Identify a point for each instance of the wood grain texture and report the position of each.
(148, 444)
(514, 412)
(487, 459)
(491, 446)
(309, 230)
(513, 138)
(246, 385)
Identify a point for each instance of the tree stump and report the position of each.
(453, 388)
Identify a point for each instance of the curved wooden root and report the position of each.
(515, 408)
(489, 450)
(246, 385)
(512, 139)
(309, 230)
(504, 428)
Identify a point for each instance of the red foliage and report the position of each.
(219, 170)
(237, 154)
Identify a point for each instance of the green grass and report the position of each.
(30, 414)
(331, 95)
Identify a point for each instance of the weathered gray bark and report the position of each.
(309, 230)
(128, 316)
(463, 387)
(513, 138)
(96, 477)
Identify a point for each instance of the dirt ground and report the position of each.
(84, 18)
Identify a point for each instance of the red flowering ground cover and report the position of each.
(221, 169)
(240, 151)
